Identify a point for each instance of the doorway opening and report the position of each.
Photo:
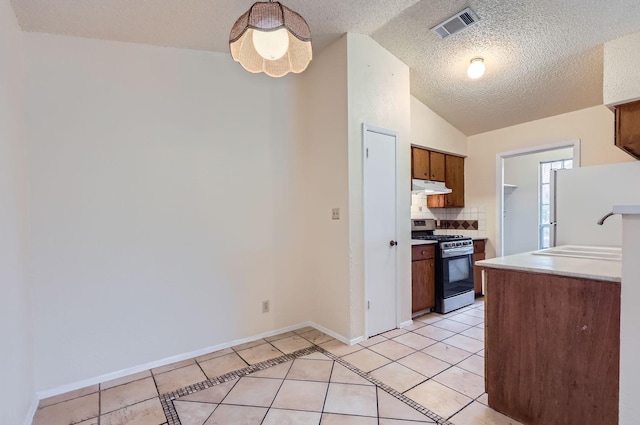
(522, 191)
(546, 171)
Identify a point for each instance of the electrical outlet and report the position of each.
(335, 214)
(265, 306)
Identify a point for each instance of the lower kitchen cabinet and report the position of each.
(423, 295)
(478, 255)
(552, 348)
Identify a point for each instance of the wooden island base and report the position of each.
(552, 348)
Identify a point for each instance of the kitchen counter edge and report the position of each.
(603, 270)
(415, 242)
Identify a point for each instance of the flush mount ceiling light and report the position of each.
(476, 68)
(271, 38)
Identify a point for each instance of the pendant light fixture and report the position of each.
(271, 38)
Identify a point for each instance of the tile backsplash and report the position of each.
(470, 214)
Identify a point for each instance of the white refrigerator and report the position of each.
(581, 196)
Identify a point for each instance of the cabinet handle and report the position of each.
(423, 252)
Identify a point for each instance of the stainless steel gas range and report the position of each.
(453, 266)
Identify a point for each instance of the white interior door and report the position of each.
(380, 229)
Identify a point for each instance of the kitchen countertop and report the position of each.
(626, 209)
(415, 242)
(582, 268)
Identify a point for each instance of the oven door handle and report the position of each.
(456, 252)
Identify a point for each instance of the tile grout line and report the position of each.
(326, 394)
(274, 397)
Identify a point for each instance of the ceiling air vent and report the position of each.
(455, 24)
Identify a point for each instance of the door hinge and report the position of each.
(368, 305)
(367, 152)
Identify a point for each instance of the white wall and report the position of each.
(162, 197)
(630, 321)
(379, 95)
(16, 359)
(593, 126)
(621, 64)
(321, 149)
(521, 204)
(430, 130)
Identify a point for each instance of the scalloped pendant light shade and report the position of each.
(271, 38)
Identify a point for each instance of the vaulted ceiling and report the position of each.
(543, 57)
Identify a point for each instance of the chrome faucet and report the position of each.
(604, 217)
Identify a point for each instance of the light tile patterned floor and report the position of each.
(437, 362)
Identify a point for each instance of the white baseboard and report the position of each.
(355, 341)
(405, 324)
(28, 420)
(331, 333)
(185, 356)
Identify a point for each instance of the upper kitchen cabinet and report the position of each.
(427, 165)
(454, 180)
(628, 128)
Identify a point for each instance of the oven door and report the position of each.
(457, 275)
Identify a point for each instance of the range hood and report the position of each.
(429, 187)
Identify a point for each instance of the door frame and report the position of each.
(387, 132)
(500, 157)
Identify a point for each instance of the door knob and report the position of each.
(393, 243)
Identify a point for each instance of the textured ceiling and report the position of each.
(543, 57)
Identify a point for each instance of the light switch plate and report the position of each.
(335, 214)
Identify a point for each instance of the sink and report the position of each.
(582, 251)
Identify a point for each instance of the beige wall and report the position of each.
(430, 130)
(593, 126)
(621, 64)
(16, 355)
(162, 196)
(321, 152)
(164, 193)
(379, 95)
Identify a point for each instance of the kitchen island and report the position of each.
(552, 338)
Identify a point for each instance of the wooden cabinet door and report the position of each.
(420, 160)
(455, 181)
(478, 246)
(477, 274)
(438, 167)
(422, 285)
(552, 348)
(628, 128)
(436, 201)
